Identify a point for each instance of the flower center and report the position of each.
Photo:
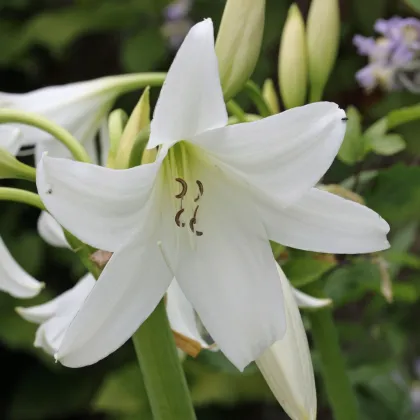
(186, 191)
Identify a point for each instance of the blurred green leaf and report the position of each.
(304, 270)
(403, 115)
(123, 393)
(396, 194)
(415, 4)
(352, 149)
(144, 50)
(387, 145)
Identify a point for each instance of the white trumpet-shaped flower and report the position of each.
(10, 139)
(204, 212)
(287, 365)
(14, 279)
(55, 316)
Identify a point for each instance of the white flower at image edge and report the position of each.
(204, 212)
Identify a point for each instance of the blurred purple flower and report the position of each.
(394, 58)
(177, 24)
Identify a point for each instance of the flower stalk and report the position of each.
(163, 375)
(21, 196)
(337, 383)
(38, 121)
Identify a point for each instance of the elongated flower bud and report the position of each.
(293, 66)
(287, 364)
(238, 43)
(323, 32)
(116, 124)
(270, 95)
(139, 119)
(11, 168)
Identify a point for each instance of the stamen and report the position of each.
(193, 221)
(200, 189)
(184, 188)
(195, 212)
(198, 233)
(177, 216)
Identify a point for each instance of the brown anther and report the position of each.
(193, 221)
(200, 189)
(177, 216)
(184, 188)
(195, 212)
(198, 233)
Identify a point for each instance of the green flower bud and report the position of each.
(116, 123)
(293, 64)
(11, 168)
(139, 119)
(270, 96)
(323, 32)
(238, 43)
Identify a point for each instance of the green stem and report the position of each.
(162, 371)
(21, 196)
(337, 383)
(38, 121)
(236, 110)
(255, 94)
(129, 82)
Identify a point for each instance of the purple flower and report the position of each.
(393, 57)
(177, 24)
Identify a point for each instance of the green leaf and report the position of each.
(414, 4)
(387, 145)
(396, 194)
(304, 270)
(144, 50)
(403, 115)
(123, 392)
(352, 149)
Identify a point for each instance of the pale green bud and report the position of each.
(11, 168)
(323, 35)
(116, 123)
(270, 96)
(238, 43)
(293, 60)
(139, 119)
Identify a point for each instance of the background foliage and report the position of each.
(58, 41)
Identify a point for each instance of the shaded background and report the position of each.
(54, 42)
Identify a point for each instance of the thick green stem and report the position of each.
(21, 196)
(129, 82)
(236, 110)
(337, 383)
(162, 371)
(38, 121)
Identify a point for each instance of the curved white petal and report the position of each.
(78, 107)
(68, 302)
(309, 302)
(181, 314)
(13, 279)
(129, 288)
(50, 231)
(284, 155)
(323, 222)
(287, 365)
(100, 206)
(191, 99)
(229, 275)
(10, 139)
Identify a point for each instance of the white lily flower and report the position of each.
(204, 212)
(287, 365)
(10, 139)
(14, 279)
(55, 316)
(79, 107)
(50, 231)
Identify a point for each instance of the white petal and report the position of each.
(323, 222)
(10, 139)
(181, 314)
(130, 287)
(284, 155)
(100, 206)
(68, 302)
(78, 107)
(191, 99)
(306, 301)
(230, 275)
(50, 231)
(287, 365)
(13, 279)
